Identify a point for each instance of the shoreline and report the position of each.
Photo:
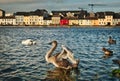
(85, 26)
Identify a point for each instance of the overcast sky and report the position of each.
(11, 6)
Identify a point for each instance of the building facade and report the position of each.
(19, 20)
(56, 20)
(8, 20)
(70, 18)
(2, 13)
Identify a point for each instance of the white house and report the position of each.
(10, 20)
(47, 22)
(83, 22)
(116, 21)
(19, 19)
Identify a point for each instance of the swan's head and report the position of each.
(53, 43)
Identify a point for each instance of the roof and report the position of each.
(47, 18)
(36, 12)
(116, 15)
(7, 17)
(2, 10)
(109, 13)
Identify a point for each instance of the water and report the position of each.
(28, 62)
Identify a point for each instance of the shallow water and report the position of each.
(28, 63)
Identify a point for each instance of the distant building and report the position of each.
(56, 20)
(73, 21)
(31, 18)
(41, 20)
(2, 13)
(64, 22)
(8, 14)
(116, 19)
(8, 20)
(19, 19)
(70, 14)
(84, 22)
(48, 21)
(41, 17)
(106, 18)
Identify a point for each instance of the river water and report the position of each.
(28, 63)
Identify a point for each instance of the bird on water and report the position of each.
(111, 41)
(64, 59)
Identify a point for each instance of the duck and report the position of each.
(60, 60)
(107, 52)
(116, 61)
(111, 41)
(28, 42)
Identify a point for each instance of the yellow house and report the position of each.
(34, 19)
(84, 22)
(94, 21)
(55, 20)
(73, 21)
(40, 20)
(26, 20)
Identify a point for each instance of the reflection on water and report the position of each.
(28, 62)
(62, 75)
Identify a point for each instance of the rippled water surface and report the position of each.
(28, 62)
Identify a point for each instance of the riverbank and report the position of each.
(65, 26)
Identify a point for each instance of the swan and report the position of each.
(60, 60)
(28, 42)
(111, 41)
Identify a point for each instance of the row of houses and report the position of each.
(69, 18)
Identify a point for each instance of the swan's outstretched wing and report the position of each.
(69, 54)
(65, 53)
(62, 55)
(67, 49)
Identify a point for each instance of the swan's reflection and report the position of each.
(59, 74)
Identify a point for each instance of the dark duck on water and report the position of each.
(111, 41)
(107, 52)
(116, 61)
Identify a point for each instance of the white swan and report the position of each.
(60, 60)
(28, 42)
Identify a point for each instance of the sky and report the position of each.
(11, 6)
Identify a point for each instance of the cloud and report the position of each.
(30, 1)
(28, 5)
(13, 1)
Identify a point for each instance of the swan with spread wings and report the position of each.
(64, 59)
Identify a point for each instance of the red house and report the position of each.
(64, 22)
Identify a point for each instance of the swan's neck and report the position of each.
(49, 53)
